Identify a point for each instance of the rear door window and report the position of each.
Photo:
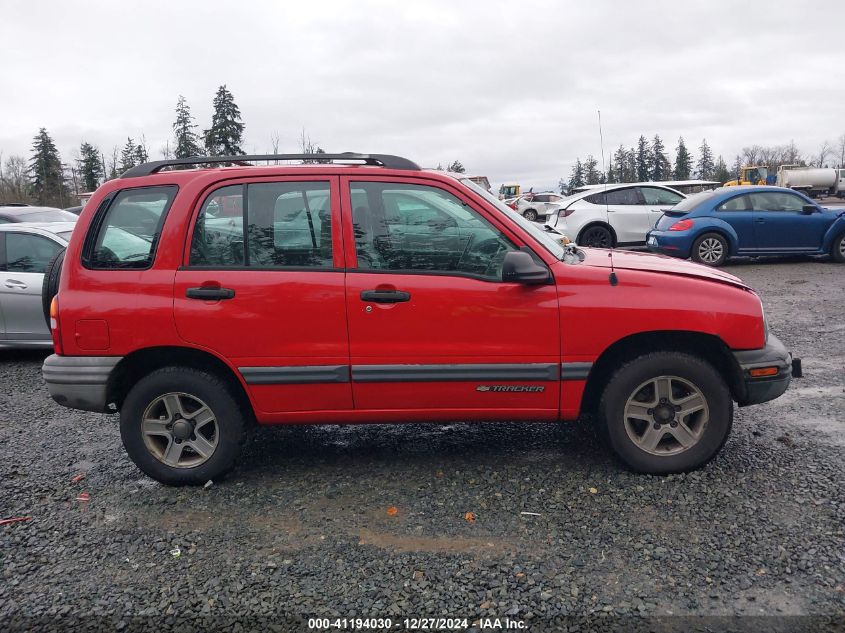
(658, 196)
(288, 225)
(627, 196)
(127, 233)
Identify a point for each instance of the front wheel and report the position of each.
(182, 426)
(837, 250)
(710, 249)
(666, 413)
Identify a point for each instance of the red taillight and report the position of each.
(681, 225)
(565, 213)
(54, 325)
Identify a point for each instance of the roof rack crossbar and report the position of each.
(381, 160)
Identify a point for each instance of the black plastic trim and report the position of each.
(575, 371)
(388, 161)
(295, 375)
(455, 373)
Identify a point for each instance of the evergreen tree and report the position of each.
(661, 169)
(591, 172)
(619, 165)
(576, 179)
(643, 160)
(187, 142)
(683, 161)
(610, 178)
(225, 136)
(563, 187)
(630, 166)
(141, 153)
(128, 156)
(737, 166)
(47, 178)
(90, 167)
(720, 171)
(457, 167)
(705, 166)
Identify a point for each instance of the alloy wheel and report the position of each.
(666, 415)
(711, 250)
(180, 430)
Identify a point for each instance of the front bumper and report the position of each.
(764, 388)
(79, 382)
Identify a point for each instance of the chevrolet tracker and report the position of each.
(199, 297)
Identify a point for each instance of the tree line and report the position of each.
(46, 180)
(648, 160)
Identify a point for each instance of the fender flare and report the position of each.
(833, 231)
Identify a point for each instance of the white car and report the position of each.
(615, 215)
(25, 251)
(538, 206)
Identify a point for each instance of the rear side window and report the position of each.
(288, 225)
(126, 235)
(26, 253)
(740, 203)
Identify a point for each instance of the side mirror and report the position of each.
(520, 267)
(807, 209)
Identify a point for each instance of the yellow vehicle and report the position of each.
(751, 175)
(509, 191)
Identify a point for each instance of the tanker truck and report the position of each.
(813, 181)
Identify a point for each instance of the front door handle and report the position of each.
(14, 283)
(210, 293)
(760, 221)
(385, 296)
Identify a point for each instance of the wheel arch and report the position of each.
(833, 232)
(722, 228)
(600, 223)
(140, 363)
(708, 347)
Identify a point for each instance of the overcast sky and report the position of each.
(509, 88)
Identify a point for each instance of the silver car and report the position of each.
(25, 251)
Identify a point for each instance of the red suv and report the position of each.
(361, 288)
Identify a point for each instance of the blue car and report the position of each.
(713, 225)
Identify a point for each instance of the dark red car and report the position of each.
(366, 289)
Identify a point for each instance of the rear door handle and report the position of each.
(209, 293)
(385, 296)
(14, 283)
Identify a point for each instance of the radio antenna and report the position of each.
(613, 280)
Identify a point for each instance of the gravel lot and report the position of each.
(302, 528)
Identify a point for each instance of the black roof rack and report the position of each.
(381, 160)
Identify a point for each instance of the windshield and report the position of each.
(688, 204)
(545, 239)
(48, 216)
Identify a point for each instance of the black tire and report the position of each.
(713, 430)
(217, 394)
(50, 285)
(596, 236)
(837, 249)
(710, 249)
(530, 214)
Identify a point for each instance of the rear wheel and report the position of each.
(182, 426)
(710, 249)
(50, 285)
(837, 250)
(666, 413)
(530, 214)
(596, 236)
